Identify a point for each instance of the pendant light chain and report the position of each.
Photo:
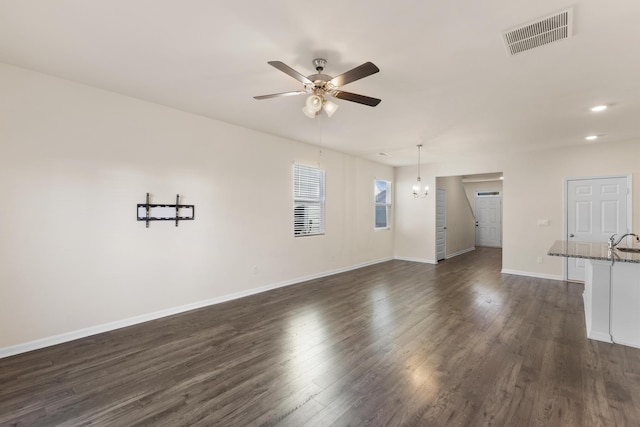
(319, 141)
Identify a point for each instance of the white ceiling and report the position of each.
(446, 80)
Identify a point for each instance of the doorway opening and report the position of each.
(457, 213)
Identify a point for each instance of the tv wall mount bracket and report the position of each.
(165, 212)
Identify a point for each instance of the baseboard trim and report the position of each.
(531, 274)
(628, 344)
(464, 251)
(118, 324)
(422, 260)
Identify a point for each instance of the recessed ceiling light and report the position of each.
(598, 108)
(591, 137)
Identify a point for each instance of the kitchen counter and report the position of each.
(592, 250)
(611, 290)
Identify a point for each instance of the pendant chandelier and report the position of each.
(418, 189)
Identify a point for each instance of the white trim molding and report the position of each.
(464, 251)
(111, 326)
(532, 274)
(422, 260)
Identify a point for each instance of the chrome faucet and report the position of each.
(612, 241)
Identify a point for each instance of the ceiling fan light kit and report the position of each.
(329, 107)
(309, 113)
(316, 103)
(312, 107)
(320, 85)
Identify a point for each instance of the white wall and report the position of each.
(533, 189)
(461, 230)
(414, 237)
(74, 163)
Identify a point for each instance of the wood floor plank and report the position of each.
(397, 343)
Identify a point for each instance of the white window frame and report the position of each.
(377, 204)
(308, 201)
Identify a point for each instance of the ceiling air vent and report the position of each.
(553, 28)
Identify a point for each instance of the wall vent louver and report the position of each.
(553, 28)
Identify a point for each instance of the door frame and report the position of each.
(565, 205)
(444, 190)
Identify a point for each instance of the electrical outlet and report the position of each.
(539, 260)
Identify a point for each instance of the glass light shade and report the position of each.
(314, 103)
(330, 107)
(308, 113)
(419, 190)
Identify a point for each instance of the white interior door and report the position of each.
(596, 209)
(441, 223)
(489, 219)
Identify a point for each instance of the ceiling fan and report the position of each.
(318, 85)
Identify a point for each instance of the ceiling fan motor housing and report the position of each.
(319, 80)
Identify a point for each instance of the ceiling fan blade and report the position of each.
(357, 73)
(276, 95)
(354, 97)
(288, 70)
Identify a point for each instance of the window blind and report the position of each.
(309, 199)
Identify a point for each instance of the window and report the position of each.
(382, 197)
(487, 193)
(308, 201)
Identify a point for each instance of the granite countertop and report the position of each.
(591, 250)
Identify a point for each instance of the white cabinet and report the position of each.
(625, 303)
(596, 294)
(612, 302)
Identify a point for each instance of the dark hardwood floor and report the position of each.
(398, 343)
